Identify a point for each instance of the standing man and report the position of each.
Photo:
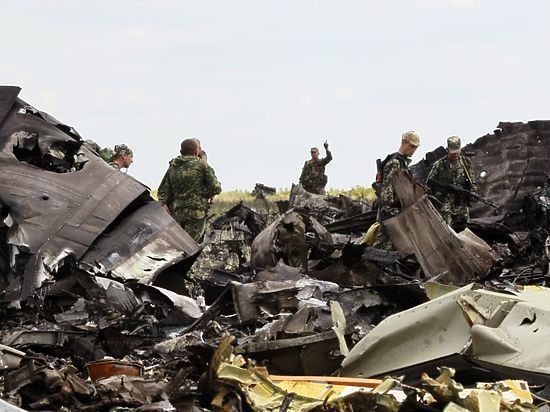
(389, 205)
(188, 187)
(122, 158)
(313, 177)
(453, 169)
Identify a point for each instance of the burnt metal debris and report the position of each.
(107, 304)
(66, 209)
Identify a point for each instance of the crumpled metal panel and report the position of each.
(62, 216)
(283, 239)
(144, 243)
(500, 329)
(429, 331)
(516, 341)
(8, 94)
(10, 358)
(421, 230)
(515, 158)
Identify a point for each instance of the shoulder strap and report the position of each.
(466, 171)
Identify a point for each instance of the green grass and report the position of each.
(226, 200)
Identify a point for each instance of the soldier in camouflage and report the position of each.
(188, 188)
(313, 177)
(122, 158)
(452, 169)
(389, 205)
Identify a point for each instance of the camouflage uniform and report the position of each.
(453, 207)
(185, 188)
(389, 205)
(313, 177)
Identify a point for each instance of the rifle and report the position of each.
(449, 187)
(377, 184)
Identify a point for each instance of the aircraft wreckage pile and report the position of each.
(107, 304)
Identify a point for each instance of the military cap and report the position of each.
(314, 149)
(411, 137)
(453, 144)
(122, 150)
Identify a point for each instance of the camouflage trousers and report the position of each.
(383, 241)
(191, 222)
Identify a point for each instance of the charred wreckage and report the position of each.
(108, 304)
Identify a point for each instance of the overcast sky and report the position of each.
(260, 82)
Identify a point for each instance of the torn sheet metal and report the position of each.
(242, 216)
(145, 243)
(283, 239)
(44, 338)
(280, 272)
(316, 354)
(10, 358)
(419, 229)
(178, 309)
(354, 224)
(318, 205)
(251, 299)
(494, 328)
(516, 169)
(67, 205)
(132, 389)
(428, 331)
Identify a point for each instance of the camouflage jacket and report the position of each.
(188, 184)
(445, 171)
(313, 173)
(389, 204)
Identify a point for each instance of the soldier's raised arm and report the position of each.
(328, 157)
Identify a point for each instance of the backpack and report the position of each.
(380, 164)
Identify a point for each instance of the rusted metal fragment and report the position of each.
(107, 368)
(420, 230)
